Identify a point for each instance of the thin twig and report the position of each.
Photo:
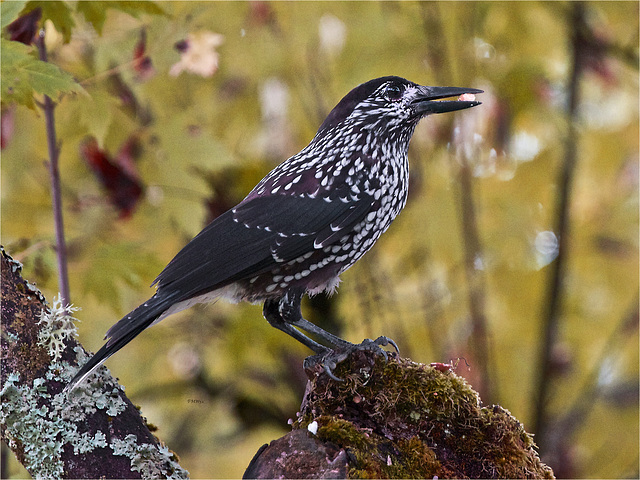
(56, 193)
(479, 339)
(590, 391)
(557, 438)
(108, 73)
(555, 293)
(439, 45)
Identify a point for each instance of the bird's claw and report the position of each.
(328, 361)
(383, 341)
(328, 370)
(376, 346)
(331, 358)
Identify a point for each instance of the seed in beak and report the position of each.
(467, 97)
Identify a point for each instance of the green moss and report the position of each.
(378, 457)
(341, 432)
(399, 419)
(418, 457)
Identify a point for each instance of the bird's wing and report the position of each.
(302, 224)
(258, 234)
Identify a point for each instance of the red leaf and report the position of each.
(128, 99)
(262, 13)
(123, 186)
(24, 28)
(181, 46)
(141, 61)
(128, 154)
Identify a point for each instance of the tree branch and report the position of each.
(56, 193)
(95, 431)
(555, 292)
(563, 426)
(440, 44)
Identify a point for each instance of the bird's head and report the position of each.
(387, 103)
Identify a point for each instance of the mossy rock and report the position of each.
(400, 419)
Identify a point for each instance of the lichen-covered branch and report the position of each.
(93, 432)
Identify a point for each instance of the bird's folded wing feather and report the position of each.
(257, 235)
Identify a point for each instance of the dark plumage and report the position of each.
(305, 223)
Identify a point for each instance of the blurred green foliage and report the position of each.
(218, 381)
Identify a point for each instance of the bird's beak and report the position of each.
(427, 100)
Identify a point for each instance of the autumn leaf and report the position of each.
(120, 177)
(58, 12)
(25, 27)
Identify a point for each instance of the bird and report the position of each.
(306, 222)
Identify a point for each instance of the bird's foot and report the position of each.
(327, 361)
(377, 344)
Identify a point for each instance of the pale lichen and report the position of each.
(28, 424)
(150, 460)
(41, 425)
(57, 325)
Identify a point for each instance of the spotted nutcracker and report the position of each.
(306, 222)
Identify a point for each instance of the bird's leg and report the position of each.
(294, 317)
(291, 314)
(285, 314)
(341, 344)
(274, 314)
(289, 308)
(309, 327)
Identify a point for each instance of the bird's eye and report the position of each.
(394, 92)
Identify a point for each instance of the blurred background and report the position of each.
(516, 256)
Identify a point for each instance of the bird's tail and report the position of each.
(122, 333)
